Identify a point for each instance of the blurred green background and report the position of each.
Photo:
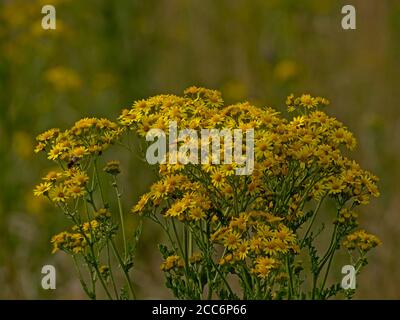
(106, 54)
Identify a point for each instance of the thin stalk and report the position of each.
(246, 282)
(111, 272)
(128, 280)
(315, 277)
(289, 271)
(91, 295)
(177, 237)
(222, 277)
(100, 276)
(96, 170)
(327, 271)
(312, 221)
(186, 245)
(121, 216)
(95, 266)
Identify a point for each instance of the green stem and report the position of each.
(177, 237)
(121, 216)
(94, 262)
(128, 280)
(98, 181)
(210, 290)
(289, 271)
(312, 221)
(111, 272)
(91, 295)
(331, 247)
(247, 284)
(223, 278)
(186, 245)
(100, 276)
(327, 271)
(315, 277)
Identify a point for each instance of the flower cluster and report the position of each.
(89, 136)
(361, 240)
(259, 220)
(61, 186)
(255, 241)
(77, 189)
(221, 224)
(94, 231)
(172, 262)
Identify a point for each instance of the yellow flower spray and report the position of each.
(258, 228)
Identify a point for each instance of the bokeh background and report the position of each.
(105, 54)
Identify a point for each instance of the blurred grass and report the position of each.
(104, 55)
